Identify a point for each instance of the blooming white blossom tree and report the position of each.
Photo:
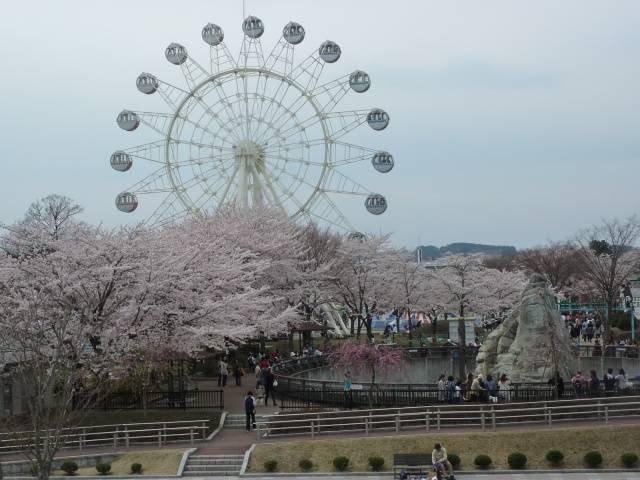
(462, 284)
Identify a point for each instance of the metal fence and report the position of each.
(434, 418)
(194, 399)
(120, 435)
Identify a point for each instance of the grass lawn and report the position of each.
(611, 442)
(157, 462)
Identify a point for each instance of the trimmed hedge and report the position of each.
(305, 465)
(482, 461)
(103, 468)
(70, 468)
(554, 457)
(271, 465)
(454, 459)
(593, 459)
(341, 463)
(376, 463)
(136, 468)
(517, 460)
(629, 460)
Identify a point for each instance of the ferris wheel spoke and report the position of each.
(329, 95)
(275, 103)
(155, 182)
(324, 209)
(295, 160)
(227, 100)
(221, 58)
(251, 53)
(302, 144)
(308, 72)
(216, 117)
(209, 192)
(193, 72)
(156, 121)
(168, 211)
(346, 153)
(297, 178)
(281, 58)
(336, 182)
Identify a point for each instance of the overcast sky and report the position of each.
(512, 122)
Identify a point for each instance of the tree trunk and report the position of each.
(371, 387)
(462, 345)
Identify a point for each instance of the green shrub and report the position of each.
(593, 459)
(554, 457)
(69, 467)
(305, 465)
(136, 468)
(271, 465)
(34, 469)
(341, 463)
(482, 461)
(629, 459)
(376, 463)
(454, 459)
(517, 460)
(103, 468)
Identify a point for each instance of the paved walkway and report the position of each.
(234, 396)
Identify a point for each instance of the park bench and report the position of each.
(415, 464)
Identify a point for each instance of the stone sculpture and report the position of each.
(532, 343)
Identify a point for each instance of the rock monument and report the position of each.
(532, 343)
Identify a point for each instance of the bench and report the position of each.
(415, 464)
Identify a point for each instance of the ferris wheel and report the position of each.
(252, 131)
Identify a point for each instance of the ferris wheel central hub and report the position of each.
(249, 153)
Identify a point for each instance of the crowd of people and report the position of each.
(591, 385)
(476, 388)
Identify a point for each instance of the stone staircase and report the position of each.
(213, 466)
(238, 421)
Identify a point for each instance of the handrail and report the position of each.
(500, 406)
(439, 416)
(83, 427)
(124, 434)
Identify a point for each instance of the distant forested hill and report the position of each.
(462, 248)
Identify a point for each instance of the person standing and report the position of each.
(250, 410)
(237, 374)
(223, 372)
(270, 383)
(442, 387)
(258, 372)
(348, 392)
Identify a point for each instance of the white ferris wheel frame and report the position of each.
(251, 170)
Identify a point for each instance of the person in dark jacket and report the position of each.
(250, 410)
(269, 387)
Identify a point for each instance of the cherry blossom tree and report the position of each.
(55, 338)
(407, 286)
(462, 284)
(361, 275)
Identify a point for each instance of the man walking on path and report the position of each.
(250, 410)
(223, 372)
